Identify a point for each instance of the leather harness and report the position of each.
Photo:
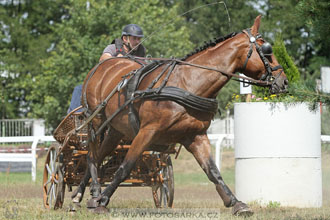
(131, 81)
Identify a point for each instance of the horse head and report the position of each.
(258, 61)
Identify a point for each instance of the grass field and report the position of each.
(195, 197)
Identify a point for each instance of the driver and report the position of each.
(129, 43)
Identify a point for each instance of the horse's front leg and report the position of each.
(201, 149)
(78, 194)
(108, 145)
(95, 186)
(138, 146)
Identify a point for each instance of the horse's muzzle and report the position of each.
(280, 85)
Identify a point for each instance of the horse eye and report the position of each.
(267, 49)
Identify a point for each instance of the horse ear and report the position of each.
(255, 27)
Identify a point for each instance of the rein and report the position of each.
(252, 81)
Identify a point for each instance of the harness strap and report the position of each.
(114, 114)
(132, 114)
(164, 82)
(99, 107)
(159, 76)
(248, 56)
(276, 68)
(135, 81)
(266, 63)
(269, 69)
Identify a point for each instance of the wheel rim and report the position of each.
(163, 192)
(52, 181)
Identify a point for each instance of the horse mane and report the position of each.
(211, 43)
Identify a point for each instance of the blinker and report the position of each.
(267, 49)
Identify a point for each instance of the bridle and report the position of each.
(268, 76)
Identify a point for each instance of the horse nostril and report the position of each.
(286, 82)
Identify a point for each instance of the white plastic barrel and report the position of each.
(325, 77)
(278, 154)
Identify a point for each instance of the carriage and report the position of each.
(175, 102)
(66, 164)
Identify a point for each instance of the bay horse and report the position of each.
(163, 121)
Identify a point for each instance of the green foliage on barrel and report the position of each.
(285, 60)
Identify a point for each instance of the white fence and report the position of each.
(223, 126)
(24, 157)
(21, 127)
(325, 138)
(31, 157)
(219, 138)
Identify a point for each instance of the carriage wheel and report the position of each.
(53, 184)
(163, 193)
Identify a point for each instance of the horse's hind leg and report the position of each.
(201, 149)
(78, 194)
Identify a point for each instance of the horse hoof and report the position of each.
(241, 209)
(101, 210)
(92, 203)
(77, 198)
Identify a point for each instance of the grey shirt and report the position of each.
(111, 49)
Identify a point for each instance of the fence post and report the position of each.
(38, 127)
(34, 159)
(218, 150)
(325, 76)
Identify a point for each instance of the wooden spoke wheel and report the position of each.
(163, 193)
(53, 183)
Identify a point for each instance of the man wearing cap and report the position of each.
(129, 43)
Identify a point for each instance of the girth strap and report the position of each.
(132, 85)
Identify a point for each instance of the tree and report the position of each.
(291, 27)
(304, 26)
(47, 47)
(208, 22)
(25, 30)
(317, 18)
(81, 37)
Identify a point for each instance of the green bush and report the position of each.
(285, 60)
